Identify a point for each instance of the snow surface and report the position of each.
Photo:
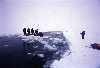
(81, 55)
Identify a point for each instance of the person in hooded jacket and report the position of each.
(83, 33)
(32, 31)
(24, 30)
(36, 31)
(28, 30)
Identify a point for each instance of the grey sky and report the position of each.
(47, 15)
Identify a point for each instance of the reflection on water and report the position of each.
(26, 47)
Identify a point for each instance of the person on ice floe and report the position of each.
(32, 31)
(24, 30)
(36, 31)
(41, 34)
(83, 33)
(28, 30)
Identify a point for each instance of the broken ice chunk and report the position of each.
(29, 53)
(5, 45)
(41, 55)
(49, 47)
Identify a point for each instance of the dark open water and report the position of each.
(14, 53)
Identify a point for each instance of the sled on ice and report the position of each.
(96, 46)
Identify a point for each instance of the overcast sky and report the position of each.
(48, 15)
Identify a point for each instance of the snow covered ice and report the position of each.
(81, 56)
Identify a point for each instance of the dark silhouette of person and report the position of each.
(24, 30)
(83, 33)
(28, 30)
(41, 34)
(32, 31)
(36, 31)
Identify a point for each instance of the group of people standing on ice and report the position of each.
(32, 32)
(36, 33)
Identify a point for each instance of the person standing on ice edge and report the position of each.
(83, 33)
(36, 31)
(24, 30)
(32, 31)
(28, 30)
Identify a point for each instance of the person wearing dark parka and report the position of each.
(24, 30)
(83, 33)
(36, 31)
(28, 30)
(32, 31)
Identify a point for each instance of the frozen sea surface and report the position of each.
(18, 51)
